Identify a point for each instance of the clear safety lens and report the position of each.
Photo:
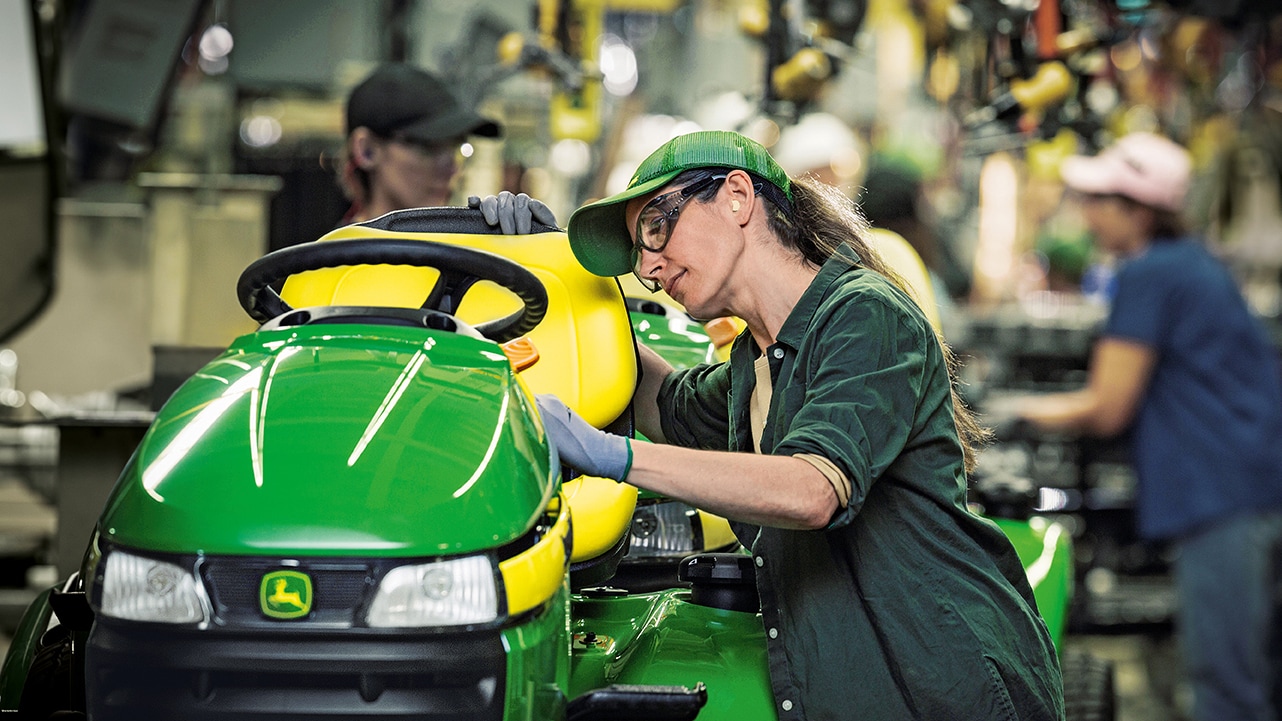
(651, 285)
(444, 593)
(144, 589)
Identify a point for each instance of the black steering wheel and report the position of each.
(459, 267)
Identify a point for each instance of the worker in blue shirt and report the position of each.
(1191, 373)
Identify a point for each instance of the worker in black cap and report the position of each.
(405, 132)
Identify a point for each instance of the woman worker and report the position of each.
(832, 438)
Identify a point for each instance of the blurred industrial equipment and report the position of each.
(28, 170)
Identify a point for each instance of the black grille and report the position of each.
(339, 590)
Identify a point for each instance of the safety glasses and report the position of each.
(657, 220)
(456, 150)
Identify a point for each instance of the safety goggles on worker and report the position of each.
(657, 220)
(456, 150)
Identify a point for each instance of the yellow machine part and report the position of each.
(716, 531)
(903, 259)
(1050, 84)
(533, 576)
(584, 343)
(601, 507)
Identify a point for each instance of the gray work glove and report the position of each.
(588, 450)
(512, 213)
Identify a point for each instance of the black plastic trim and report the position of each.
(372, 315)
(601, 568)
(448, 219)
(622, 702)
(137, 671)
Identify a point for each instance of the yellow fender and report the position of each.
(534, 575)
(601, 507)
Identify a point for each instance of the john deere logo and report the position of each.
(285, 594)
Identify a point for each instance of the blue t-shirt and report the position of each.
(1208, 435)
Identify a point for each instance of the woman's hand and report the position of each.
(591, 451)
(512, 213)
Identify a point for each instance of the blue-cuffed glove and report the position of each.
(590, 451)
(512, 213)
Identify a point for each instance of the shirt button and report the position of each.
(774, 633)
(787, 705)
(778, 352)
(760, 561)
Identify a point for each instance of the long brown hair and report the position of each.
(819, 220)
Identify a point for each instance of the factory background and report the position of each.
(150, 151)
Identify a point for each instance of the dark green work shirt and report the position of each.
(907, 605)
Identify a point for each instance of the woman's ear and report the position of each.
(742, 197)
(362, 146)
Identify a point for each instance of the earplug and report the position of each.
(734, 206)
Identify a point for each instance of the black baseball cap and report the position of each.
(403, 100)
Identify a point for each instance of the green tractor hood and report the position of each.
(336, 440)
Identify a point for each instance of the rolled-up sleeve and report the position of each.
(862, 382)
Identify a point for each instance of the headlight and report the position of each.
(144, 589)
(444, 593)
(664, 529)
(671, 529)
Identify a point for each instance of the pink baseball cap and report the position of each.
(1144, 167)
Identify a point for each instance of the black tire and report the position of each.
(1088, 687)
(47, 692)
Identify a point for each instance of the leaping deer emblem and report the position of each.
(280, 596)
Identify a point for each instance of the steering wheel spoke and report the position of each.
(449, 290)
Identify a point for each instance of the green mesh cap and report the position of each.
(598, 232)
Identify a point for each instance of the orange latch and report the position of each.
(521, 353)
(722, 330)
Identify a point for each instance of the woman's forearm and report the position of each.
(779, 491)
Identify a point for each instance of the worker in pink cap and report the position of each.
(1185, 367)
